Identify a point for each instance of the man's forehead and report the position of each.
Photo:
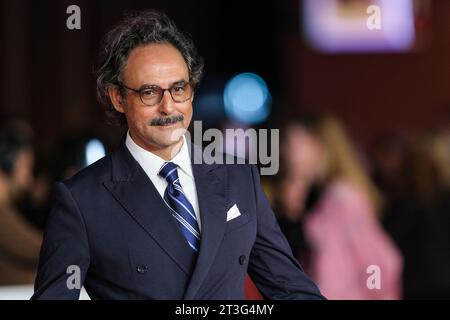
(156, 63)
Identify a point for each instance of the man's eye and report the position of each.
(178, 89)
(149, 92)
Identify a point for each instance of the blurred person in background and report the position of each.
(297, 190)
(329, 211)
(19, 240)
(419, 218)
(34, 204)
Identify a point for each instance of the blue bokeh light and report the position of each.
(247, 98)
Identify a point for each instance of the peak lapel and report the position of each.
(132, 188)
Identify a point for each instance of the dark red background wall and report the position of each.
(373, 93)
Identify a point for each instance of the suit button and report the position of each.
(142, 269)
(242, 259)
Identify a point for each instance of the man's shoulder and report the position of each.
(93, 174)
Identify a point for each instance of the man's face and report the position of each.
(161, 65)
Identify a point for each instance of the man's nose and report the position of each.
(167, 104)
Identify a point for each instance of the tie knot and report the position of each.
(169, 172)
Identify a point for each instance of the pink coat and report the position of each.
(346, 239)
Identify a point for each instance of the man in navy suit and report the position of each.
(147, 221)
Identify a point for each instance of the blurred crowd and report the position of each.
(26, 182)
(344, 209)
(20, 239)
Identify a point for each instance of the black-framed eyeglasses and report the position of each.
(151, 95)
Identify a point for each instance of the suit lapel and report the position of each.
(211, 185)
(131, 187)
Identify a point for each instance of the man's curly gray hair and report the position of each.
(137, 29)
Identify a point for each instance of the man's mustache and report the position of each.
(166, 120)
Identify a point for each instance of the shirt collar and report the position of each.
(152, 163)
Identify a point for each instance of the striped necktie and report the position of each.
(182, 210)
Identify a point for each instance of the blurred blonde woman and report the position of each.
(350, 257)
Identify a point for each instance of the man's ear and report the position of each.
(116, 98)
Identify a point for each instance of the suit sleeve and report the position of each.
(64, 257)
(272, 267)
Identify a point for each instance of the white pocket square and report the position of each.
(233, 213)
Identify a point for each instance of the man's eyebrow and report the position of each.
(182, 81)
(150, 85)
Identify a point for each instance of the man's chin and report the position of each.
(169, 139)
(171, 133)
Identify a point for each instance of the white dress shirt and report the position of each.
(151, 163)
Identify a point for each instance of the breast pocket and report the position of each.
(239, 222)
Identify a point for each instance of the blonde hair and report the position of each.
(429, 166)
(440, 152)
(342, 160)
